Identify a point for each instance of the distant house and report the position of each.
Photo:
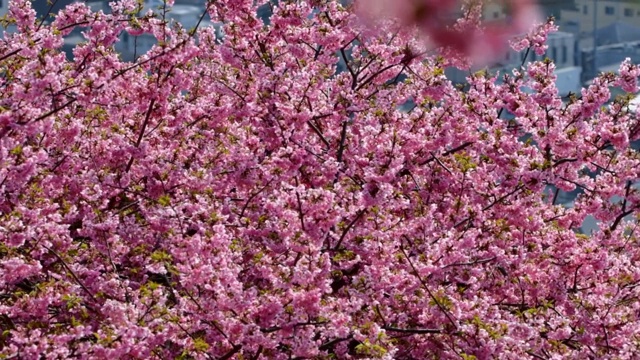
(562, 50)
(606, 12)
(616, 35)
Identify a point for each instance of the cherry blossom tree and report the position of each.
(241, 198)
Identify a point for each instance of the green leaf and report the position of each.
(164, 200)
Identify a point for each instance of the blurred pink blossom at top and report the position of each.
(456, 25)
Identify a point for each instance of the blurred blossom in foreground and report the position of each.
(456, 26)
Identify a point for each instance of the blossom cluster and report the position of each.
(242, 198)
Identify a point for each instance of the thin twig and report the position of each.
(424, 285)
(73, 274)
(440, 163)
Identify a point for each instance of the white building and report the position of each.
(561, 50)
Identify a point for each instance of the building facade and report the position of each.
(599, 13)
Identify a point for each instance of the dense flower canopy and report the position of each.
(241, 198)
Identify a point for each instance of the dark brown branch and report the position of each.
(424, 285)
(244, 208)
(413, 331)
(535, 355)
(329, 344)
(441, 164)
(44, 18)
(10, 54)
(354, 77)
(319, 133)
(256, 356)
(231, 352)
(142, 131)
(73, 274)
(278, 328)
(343, 137)
(448, 152)
(562, 161)
(376, 74)
(619, 218)
(346, 230)
(44, 116)
(518, 188)
(626, 194)
(577, 184)
(475, 262)
(555, 196)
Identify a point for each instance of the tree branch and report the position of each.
(424, 285)
(141, 134)
(448, 152)
(413, 331)
(343, 136)
(346, 230)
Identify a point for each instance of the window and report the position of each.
(628, 12)
(564, 54)
(496, 14)
(585, 9)
(554, 54)
(609, 10)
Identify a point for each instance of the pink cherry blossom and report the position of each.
(310, 187)
(468, 35)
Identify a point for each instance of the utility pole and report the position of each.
(595, 37)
